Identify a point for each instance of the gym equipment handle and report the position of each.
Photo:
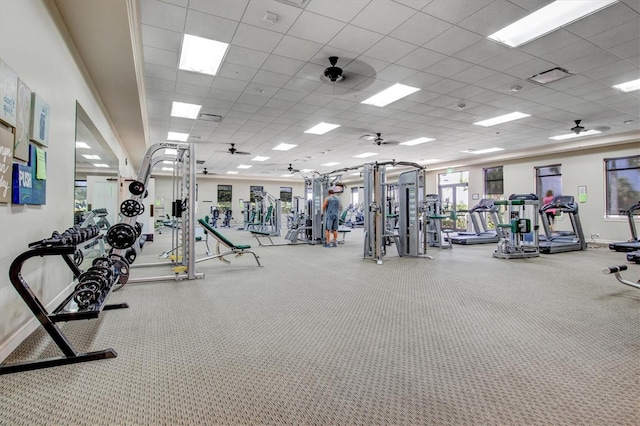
(613, 269)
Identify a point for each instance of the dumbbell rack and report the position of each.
(66, 311)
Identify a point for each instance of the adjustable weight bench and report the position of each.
(238, 250)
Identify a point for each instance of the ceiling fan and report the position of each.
(334, 73)
(378, 139)
(233, 150)
(578, 128)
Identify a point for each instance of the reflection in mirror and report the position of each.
(96, 176)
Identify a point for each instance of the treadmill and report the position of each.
(634, 243)
(477, 216)
(562, 243)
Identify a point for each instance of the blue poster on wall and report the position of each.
(29, 181)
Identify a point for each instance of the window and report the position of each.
(285, 198)
(453, 189)
(354, 196)
(224, 198)
(548, 178)
(622, 183)
(493, 181)
(255, 193)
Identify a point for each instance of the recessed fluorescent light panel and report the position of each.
(82, 145)
(170, 151)
(167, 162)
(482, 151)
(244, 166)
(354, 174)
(201, 55)
(629, 86)
(548, 19)
(306, 170)
(101, 165)
(575, 135)
(91, 157)
(287, 175)
(365, 155)
(180, 137)
(329, 164)
(167, 169)
(429, 161)
(183, 110)
(501, 119)
(390, 95)
(416, 141)
(259, 158)
(284, 147)
(322, 128)
(231, 172)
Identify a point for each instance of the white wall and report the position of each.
(208, 192)
(34, 43)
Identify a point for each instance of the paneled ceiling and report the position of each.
(270, 87)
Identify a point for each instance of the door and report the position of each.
(453, 189)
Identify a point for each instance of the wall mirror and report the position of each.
(96, 175)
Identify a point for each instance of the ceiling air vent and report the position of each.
(210, 117)
(550, 75)
(297, 3)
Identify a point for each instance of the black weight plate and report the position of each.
(78, 257)
(122, 271)
(121, 236)
(138, 227)
(93, 276)
(136, 188)
(84, 298)
(130, 255)
(131, 208)
(93, 286)
(101, 261)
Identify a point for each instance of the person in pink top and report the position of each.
(551, 213)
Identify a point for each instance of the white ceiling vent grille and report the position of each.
(550, 75)
(296, 3)
(210, 117)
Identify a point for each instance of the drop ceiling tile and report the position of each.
(507, 60)
(273, 112)
(256, 38)
(245, 108)
(589, 62)
(163, 15)
(158, 71)
(368, 66)
(280, 104)
(317, 28)
(628, 51)
(447, 67)
(633, 4)
(466, 91)
(497, 81)
(454, 11)
(195, 78)
(355, 39)
(473, 74)
(297, 48)
(446, 86)
(420, 28)
(343, 11)
(162, 57)
(603, 20)
(209, 26)
(396, 73)
(529, 68)
(189, 89)
(256, 11)
(161, 38)
(289, 95)
(229, 84)
(609, 73)
(246, 57)
(493, 17)
(389, 49)
(270, 78)
(619, 34)
(216, 106)
(302, 84)
(260, 89)
(230, 9)
(481, 51)
(221, 94)
(310, 72)
(247, 98)
(383, 17)
(237, 72)
(420, 58)
(576, 51)
(453, 40)
(159, 84)
(282, 65)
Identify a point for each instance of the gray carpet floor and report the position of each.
(321, 336)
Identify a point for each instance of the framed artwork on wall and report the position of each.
(8, 94)
(6, 147)
(40, 119)
(23, 122)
